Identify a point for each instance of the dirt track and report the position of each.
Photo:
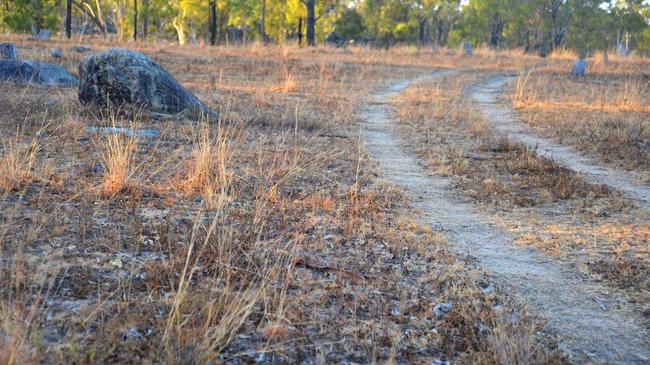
(593, 324)
(503, 120)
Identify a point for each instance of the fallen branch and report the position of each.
(322, 266)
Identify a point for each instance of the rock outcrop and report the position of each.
(34, 72)
(121, 78)
(7, 51)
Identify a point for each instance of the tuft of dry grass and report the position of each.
(289, 83)
(17, 163)
(118, 158)
(208, 171)
(521, 94)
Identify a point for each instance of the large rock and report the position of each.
(121, 78)
(7, 51)
(34, 72)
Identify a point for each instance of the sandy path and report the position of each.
(594, 325)
(504, 120)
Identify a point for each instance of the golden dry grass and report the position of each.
(17, 163)
(263, 237)
(546, 205)
(604, 114)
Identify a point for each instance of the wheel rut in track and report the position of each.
(504, 120)
(593, 324)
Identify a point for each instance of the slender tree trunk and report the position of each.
(145, 19)
(100, 17)
(422, 22)
(213, 22)
(558, 26)
(311, 23)
(263, 21)
(68, 19)
(497, 31)
(180, 31)
(135, 20)
(300, 31)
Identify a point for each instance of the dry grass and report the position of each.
(605, 114)
(525, 191)
(118, 153)
(17, 163)
(264, 237)
(209, 172)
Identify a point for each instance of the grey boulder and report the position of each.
(579, 68)
(121, 78)
(7, 51)
(81, 49)
(42, 34)
(56, 53)
(34, 72)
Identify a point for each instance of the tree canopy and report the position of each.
(540, 25)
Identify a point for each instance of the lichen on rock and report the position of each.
(122, 78)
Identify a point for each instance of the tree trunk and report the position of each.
(68, 19)
(145, 18)
(311, 23)
(263, 30)
(300, 31)
(558, 23)
(422, 23)
(497, 31)
(135, 20)
(100, 17)
(213, 22)
(180, 32)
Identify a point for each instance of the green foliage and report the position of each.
(350, 24)
(28, 15)
(534, 25)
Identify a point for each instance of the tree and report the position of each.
(485, 21)
(589, 26)
(68, 19)
(94, 12)
(263, 22)
(422, 11)
(213, 22)
(189, 16)
(32, 16)
(322, 8)
(135, 20)
(372, 11)
(445, 17)
(350, 24)
(145, 18)
(311, 21)
(559, 11)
